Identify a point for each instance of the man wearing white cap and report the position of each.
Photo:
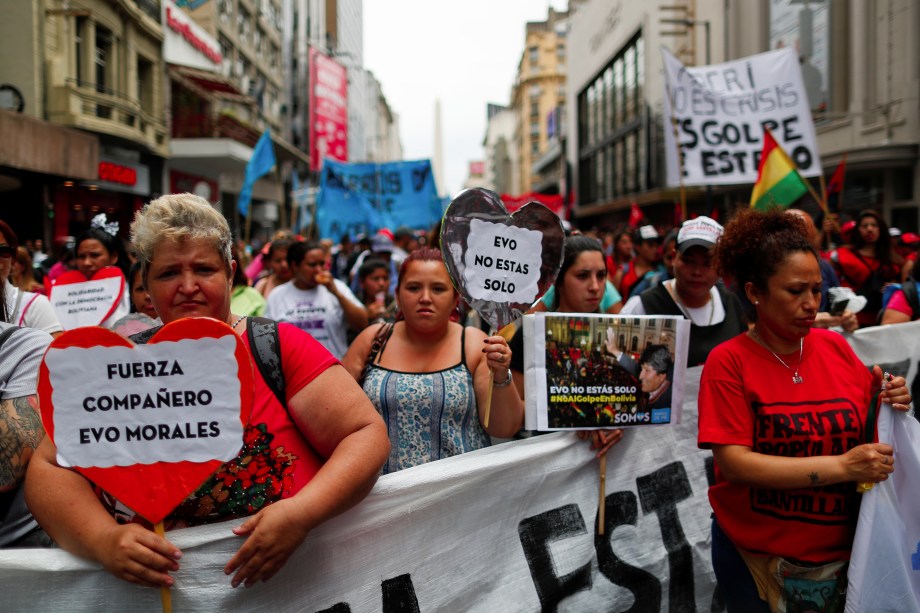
(715, 314)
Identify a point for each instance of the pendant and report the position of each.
(796, 379)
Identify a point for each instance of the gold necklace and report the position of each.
(795, 375)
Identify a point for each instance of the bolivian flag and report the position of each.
(778, 180)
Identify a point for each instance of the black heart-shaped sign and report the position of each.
(500, 263)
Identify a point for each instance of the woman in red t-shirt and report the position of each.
(783, 408)
(869, 264)
(314, 456)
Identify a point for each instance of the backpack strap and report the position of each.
(265, 344)
(144, 336)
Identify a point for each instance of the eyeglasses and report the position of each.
(6, 251)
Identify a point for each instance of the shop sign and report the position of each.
(185, 43)
(120, 176)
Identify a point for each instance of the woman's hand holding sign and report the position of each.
(159, 429)
(137, 555)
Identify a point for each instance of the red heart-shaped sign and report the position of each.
(147, 423)
(500, 262)
(78, 301)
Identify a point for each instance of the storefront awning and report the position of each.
(208, 82)
(209, 157)
(34, 145)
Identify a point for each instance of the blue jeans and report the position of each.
(739, 592)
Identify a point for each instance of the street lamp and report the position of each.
(690, 23)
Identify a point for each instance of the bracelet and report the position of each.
(503, 383)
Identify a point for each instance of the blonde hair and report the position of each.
(178, 218)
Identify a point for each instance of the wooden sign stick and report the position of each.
(165, 596)
(488, 409)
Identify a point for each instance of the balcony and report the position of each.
(79, 104)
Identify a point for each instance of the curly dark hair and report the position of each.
(755, 244)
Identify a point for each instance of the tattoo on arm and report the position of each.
(20, 433)
(815, 478)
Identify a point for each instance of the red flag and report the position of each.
(635, 216)
(835, 185)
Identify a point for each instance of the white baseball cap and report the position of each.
(700, 231)
(648, 233)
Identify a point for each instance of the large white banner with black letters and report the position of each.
(509, 528)
(720, 111)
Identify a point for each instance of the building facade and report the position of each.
(860, 63)
(227, 86)
(539, 89)
(91, 128)
(501, 162)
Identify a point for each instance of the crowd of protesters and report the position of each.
(383, 306)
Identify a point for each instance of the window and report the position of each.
(244, 24)
(79, 49)
(145, 84)
(226, 52)
(225, 11)
(533, 54)
(612, 139)
(102, 59)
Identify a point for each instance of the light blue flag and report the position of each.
(363, 198)
(262, 161)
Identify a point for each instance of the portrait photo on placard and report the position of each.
(601, 371)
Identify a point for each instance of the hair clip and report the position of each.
(100, 221)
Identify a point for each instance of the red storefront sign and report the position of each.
(116, 173)
(328, 99)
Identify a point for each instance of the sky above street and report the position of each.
(464, 53)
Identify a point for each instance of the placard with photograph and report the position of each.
(591, 371)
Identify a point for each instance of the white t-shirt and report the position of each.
(316, 311)
(31, 310)
(19, 359)
(710, 314)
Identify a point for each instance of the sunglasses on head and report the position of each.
(5, 251)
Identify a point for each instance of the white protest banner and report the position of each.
(577, 382)
(507, 528)
(118, 406)
(885, 567)
(79, 302)
(501, 262)
(720, 111)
